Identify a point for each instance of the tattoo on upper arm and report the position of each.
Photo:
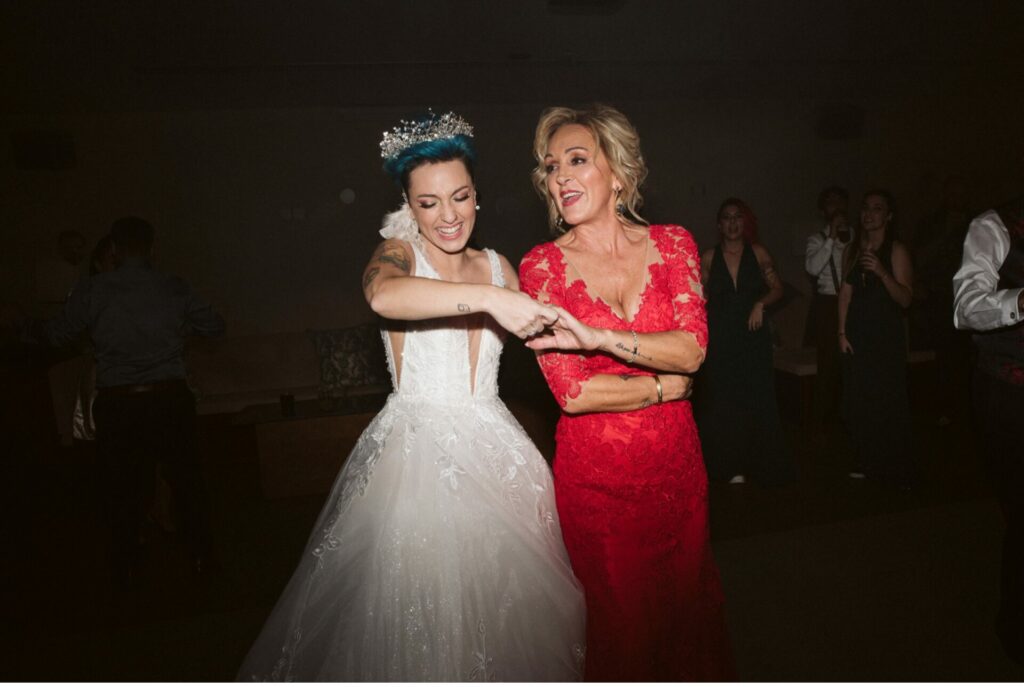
(463, 307)
(370, 275)
(771, 277)
(395, 256)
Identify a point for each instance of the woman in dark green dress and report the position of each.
(737, 414)
(876, 288)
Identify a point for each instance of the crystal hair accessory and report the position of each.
(433, 128)
(400, 224)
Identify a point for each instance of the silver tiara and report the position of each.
(409, 133)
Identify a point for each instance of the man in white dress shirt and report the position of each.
(824, 260)
(989, 299)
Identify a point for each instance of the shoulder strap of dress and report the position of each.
(497, 275)
(423, 266)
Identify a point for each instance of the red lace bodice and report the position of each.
(631, 486)
(672, 299)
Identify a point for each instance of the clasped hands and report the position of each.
(565, 333)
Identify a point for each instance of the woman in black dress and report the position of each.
(737, 413)
(876, 288)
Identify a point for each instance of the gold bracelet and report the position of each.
(657, 382)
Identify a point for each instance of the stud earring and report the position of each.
(478, 206)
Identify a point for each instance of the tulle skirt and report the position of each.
(438, 557)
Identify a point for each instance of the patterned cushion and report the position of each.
(349, 358)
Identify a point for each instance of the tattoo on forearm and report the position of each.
(625, 377)
(622, 347)
(463, 307)
(371, 274)
(395, 257)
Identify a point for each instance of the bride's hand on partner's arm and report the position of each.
(394, 292)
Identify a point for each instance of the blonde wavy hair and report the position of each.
(616, 139)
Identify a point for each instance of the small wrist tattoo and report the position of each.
(463, 307)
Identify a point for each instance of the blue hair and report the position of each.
(458, 147)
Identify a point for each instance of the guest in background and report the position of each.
(872, 336)
(103, 259)
(938, 245)
(824, 262)
(737, 412)
(989, 299)
(144, 411)
(83, 424)
(55, 278)
(57, 274)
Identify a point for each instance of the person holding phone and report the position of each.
(823, 261)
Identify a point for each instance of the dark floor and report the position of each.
(828, 579)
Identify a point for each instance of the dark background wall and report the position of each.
(237, 126)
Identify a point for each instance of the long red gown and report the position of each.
(631, 487)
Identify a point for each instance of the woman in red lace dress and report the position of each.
(629, 478)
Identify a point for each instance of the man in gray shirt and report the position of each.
(138, 319)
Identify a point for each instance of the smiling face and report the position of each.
(875, 213)
(730, 222)
(443, 201)
(579, 179)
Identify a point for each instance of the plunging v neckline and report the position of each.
(739, 264)
(474, 365)
(598, 300)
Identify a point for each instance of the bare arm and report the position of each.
(899, 283)
(394, 293)
(771, 280)
(771, 277)
(668, 351)
(845, 294)
(705, 265)
(606, 393)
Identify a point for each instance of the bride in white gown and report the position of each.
(438, 555)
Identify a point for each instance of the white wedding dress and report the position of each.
(438, 555)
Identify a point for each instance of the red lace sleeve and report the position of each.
(682, 264)
(542, 276)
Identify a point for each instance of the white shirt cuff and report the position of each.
(1009, 305)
